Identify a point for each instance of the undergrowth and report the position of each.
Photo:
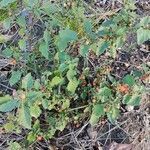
(53, 80)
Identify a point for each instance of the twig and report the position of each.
(6, 87)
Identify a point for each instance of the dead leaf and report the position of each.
(146, 78)
(123, 88)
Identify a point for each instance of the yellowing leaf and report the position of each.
(72, 85)
(35, 111)
(56, 80)
(27, 81)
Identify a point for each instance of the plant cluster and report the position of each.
(54, 83)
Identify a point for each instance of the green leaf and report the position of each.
(145, 21)
(105, 91)
(31, 137)
(37, 85)
(22, 44)
(97, 112)
(27, 81)
(71, 74)
(9, 127)
(50, 8)
(35, 111)
(128, 79)
(14, 146)
(5, 3)
(9, 106)
(45, 103)
(43, 48)
(56, 80)
(7, 23)
(133, 100)
(66, 36)
(142, 35)
(72, 85)
(113, 114)
(5, 99)
(7, 52)
(126, 99)
(88, 26)
(25, 117)
(103, 46)
(5, 38)
(15, 77)
(94, 119)
(84, 49)
(33, 96)
(46, 37)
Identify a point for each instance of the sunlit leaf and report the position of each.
(27, 81)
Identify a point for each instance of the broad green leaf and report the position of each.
(126, 99)
(5, 99)
(145, 21)
(94, 119)
(9, 127)
(56, 80)
(14, 146)
(35, 111)
(7, 23)
(50, 8)
(9, 106)
(46, 37)
(31, 3)
(108, 23)
(66, 104)
(31, 137)
(22, 44)
(97, 112)
(128, 79)
(37, 85)
(27, 81)
(133, 100)
(103, 46)
(43, 48)
(61, 124)
(45, 103)
(72, 85)
(114, 113)
(7, 52)
(84, 50)
(24, 116)
(21, 21)
(70, 74)
(105, 91)
(5, 3)
(88, 26)
(34, 96)
(66, 36)
(5, 38)
(15, 77)
(142, 35)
